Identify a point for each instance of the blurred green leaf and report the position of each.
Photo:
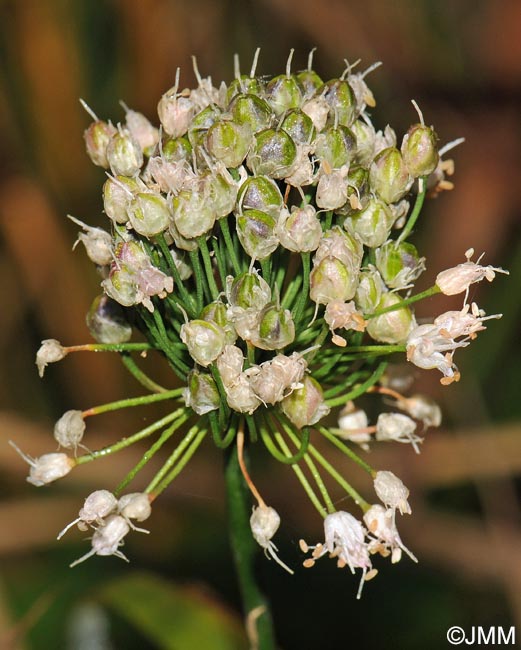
(173, 617)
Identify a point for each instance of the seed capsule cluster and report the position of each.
(243, 189)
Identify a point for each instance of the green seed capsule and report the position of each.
(260, 193)
(205, 118)
(283, 93)
(175, 149)
(331, 280)
(244, 85)
(276, 328)
(256, 232)
(369, 291)
(299, 127)
(420, 151)
(229, 142)
(389, 176)
(251, 110)
(106, 321)
(149, 213)
(97, 137)
(309, 82)
(201, 393)
(124, 154)
(394, 326)
(342, 102)
(305, 406)
(248, 291)
(373, 223)
(273, 153)
(399, 264)
(205, 340)
(336, 145)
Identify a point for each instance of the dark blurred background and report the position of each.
(461, 61)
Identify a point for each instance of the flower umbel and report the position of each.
(258, 240)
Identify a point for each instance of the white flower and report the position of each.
(459, 278)
(46, 468)
(433, 345)
(392, 492)
(344, 315)
(264, 523)
(353, 426)
(421, 408)
(50, 351)
(107, 539)
(275, 379)
(97, 506)
(345, 540)
(381, 524)
(397, 427)
(135, 506)
(69, 429)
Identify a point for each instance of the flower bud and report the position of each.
(124, 154)
(216, 312)
(205, 340)
(256, 232)
(399, 264)
(135, 506)
(273, 153)
(229, 142)
(299, 231)
(69, 429)
(117, 193)
(97, 137)
(260, 193)
(331, 280)
(419, 150)
(276, 328)
(352, 422)
(244, 85)
(149, 213)
(252, 111)
(341, 100)
(392, 492)
(389, 176)
(264, 523)
(106, 321)
(193, 215)
(50, 351)
(299, 127)
(392, 327)
(175, 113)
(305, 406)
(201, 393)
(373, 223)
(336, 146)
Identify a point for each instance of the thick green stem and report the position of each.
(245, 550)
